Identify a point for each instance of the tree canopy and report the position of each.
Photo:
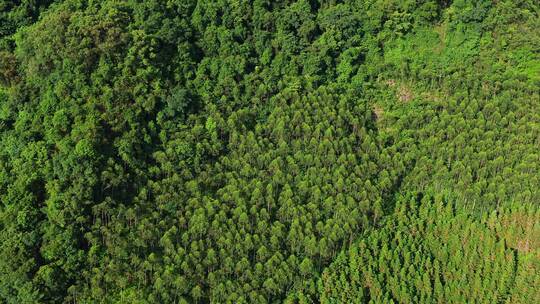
(263, 151)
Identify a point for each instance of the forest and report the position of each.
(260, 151)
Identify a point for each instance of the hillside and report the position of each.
(184, 151)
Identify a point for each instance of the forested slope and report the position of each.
(431, 251)
(269, 151)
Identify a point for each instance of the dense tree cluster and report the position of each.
(431, 251)
(466, 109)
(223, 151)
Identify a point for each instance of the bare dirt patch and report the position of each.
(404, 93)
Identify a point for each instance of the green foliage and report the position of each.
(229, 151)
(431, 251)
